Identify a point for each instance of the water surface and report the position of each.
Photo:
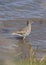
(13, 9)
(11, 14)
(10, 46)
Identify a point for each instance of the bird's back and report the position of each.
(24, 31)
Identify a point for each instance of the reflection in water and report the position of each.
(24, 48)
(24, 51)
(17, 50)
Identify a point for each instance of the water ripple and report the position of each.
(22, 9)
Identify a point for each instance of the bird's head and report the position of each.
(29, 22)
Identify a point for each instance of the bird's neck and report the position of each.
(29, 26)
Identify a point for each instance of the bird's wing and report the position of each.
(20, 32)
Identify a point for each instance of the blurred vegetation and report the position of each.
(31, 60)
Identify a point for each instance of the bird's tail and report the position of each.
(16, 34)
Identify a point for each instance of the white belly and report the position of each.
(27, 32)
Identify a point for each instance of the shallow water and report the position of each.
(12, 48)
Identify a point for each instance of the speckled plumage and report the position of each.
(24, 31)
